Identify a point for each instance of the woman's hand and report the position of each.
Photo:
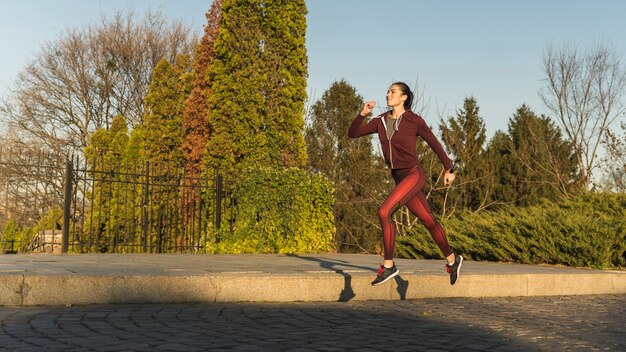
(448, 178)
(367, 108)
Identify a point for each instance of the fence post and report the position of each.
(218, 204)
(146, 212)
(67, 204)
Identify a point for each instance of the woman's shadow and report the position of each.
(348, 293)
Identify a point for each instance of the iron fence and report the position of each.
(135, 206)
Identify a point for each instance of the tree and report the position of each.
(615, 169)
(161, 136)
(78, 83)
(195, 124)
(258, 86)
(285, 64)
(161, 129)
(546, 163)
(31, 181)
(500, 159)
(532, 162)
(584, 91)
(464, 136)
(358, 174)
(104, 156)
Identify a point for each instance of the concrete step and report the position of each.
(46, 279)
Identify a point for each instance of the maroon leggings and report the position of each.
(408, 191)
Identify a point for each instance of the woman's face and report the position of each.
(395, 96)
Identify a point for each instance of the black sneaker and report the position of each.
(384, 274)
(455, 269)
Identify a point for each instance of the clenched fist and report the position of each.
(367, 108)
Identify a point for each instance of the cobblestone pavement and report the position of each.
(494, 324)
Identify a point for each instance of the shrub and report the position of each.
(586, 231)
(278, 211)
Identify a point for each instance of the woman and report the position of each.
(398, 130)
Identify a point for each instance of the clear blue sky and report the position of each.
(489, 49)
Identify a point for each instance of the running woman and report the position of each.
(398, 129)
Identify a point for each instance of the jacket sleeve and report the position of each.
(427, 134)
(358, 129)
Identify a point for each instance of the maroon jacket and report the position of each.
(400, 150)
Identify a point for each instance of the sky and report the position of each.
(491, 50)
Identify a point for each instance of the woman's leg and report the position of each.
(419, 206)
(408, 184)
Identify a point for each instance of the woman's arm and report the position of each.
(357, 128)
(427, 134)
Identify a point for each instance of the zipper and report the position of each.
(392, 133)
(390, 150)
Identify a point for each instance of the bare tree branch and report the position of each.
(79, 82)
(584, 93)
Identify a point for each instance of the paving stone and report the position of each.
(589, 323)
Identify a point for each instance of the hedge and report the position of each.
(278, 211)
(586, 231)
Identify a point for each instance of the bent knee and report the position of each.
(383, 213)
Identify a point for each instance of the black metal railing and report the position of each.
(109, 206)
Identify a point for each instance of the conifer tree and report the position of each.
(542, 162)
(258, 83)
(500, 158)
(103, 156)
(164, 103)
(195, 124)
(464, 135)
(358, 174)
(161, 138)
(285, 62)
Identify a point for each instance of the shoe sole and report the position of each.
(458, 271)
(387, 279)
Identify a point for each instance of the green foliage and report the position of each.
(278, 211)
(17, 239)
(585, 231)
(10, 240)
(532, 162)
(258, 86)
(161, 129)
(359, 175)
(501, 159)
(105, 155)
(53, 220)
(464, 136)
(119, 160)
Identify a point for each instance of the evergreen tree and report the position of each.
(195, 124)
(104, 155)
(501, 160)
(358, 174)
(285, 64)
(258, 82)
(464, 135)
(164, 103)
(543, 163)
(161, 136)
